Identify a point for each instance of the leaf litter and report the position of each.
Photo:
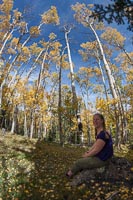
(35, 170)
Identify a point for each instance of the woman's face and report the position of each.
(97, 121)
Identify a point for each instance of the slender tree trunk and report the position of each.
(75, 100)
(25, 125)
(14, 121)
(40, 129)
(108, 71)
(9, 69)
(45, 131)
(1, 88)
(103, 79)
(71, 71)
(126, 53)
(110, 78)
(41, 70)
(5, 41)
(34, 64)
(32, 124)
(60, 105)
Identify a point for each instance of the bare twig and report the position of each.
(112, 195)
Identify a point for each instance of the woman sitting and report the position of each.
(101, 151)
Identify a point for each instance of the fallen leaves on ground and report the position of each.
(35, 170)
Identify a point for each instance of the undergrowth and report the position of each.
(35, 170)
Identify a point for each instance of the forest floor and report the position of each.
(35, 170)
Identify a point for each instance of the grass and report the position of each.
(35, 170)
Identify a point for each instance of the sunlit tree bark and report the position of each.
(83, 16)
(67, 30)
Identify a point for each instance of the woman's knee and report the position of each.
(83, 162)
(79, 162)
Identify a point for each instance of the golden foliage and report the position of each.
(97, 71)
(81, 13)
(124, 60)
(55, 48)
(7, 6)
(86, 73)
(17, 16)
(5, 24)
(126, 66)
(89, 45)
(99, 26)
(34, 31)
(114, 37)
(52, 36)
(26, 51)
(35, 49)
(11, 51)
(130, 75)
(90, 49)
(23, 27)
(51, 16)
(14, 41)
(102, 104)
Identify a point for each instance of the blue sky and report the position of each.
(79, 34)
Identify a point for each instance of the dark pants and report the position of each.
(87, 163)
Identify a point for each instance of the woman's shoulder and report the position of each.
(104, 133)
(101, 135)
(107, 134)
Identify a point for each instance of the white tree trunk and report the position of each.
(4, 43)
(114, 90)
(14, 121)
(13, 126)
(103, 78)
(32, 125)
(75, 100)
(25, 125)
(71, 67)
(108, 71)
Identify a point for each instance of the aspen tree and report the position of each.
(90, 50)
(116, 40)
(62, 58)
(67, 30)
(82, 15)
(83, 78)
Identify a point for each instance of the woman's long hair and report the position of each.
(104, 125)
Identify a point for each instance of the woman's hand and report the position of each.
(96, 148)
(85, 155)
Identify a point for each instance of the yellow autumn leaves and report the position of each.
(35, 169)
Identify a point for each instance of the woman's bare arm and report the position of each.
(96, 148)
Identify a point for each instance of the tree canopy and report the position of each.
(46, 93)
(120, 11)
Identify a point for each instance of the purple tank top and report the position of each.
(107, 151)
